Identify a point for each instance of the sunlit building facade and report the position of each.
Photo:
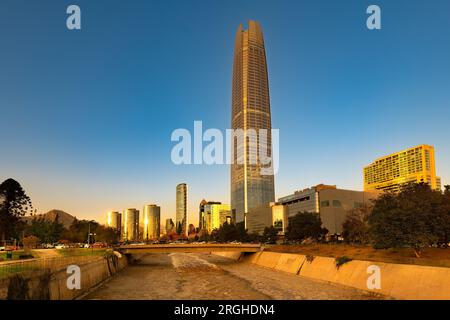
(181, 209)
(131, 225)
(114, 220)
(250, 110)
(152, 222)
(215, 215)
(170, 226)
(330, 203)
(416, 164)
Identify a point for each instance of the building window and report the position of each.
(337, 204)
(325, 203)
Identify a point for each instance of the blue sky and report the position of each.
(87, 115)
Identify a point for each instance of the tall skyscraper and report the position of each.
(152, 221)
(250, 110)
(114, 220)
(131, 225)
(181, 207)
(412, 165)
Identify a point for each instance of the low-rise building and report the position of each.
(331, 203)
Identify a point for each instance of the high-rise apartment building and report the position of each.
(412, 165)
(152, 221)
(114, 220)
(250, 110)
(131, 225)
(181, 209)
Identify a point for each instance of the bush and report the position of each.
(341, 261)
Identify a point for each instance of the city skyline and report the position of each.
(88, 149)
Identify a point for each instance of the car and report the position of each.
(2, 248)
(99, 245)
(60, 246)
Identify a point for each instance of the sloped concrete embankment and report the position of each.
(398, 281)
(52, 284)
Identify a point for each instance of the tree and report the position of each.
(407, 218)
(443, 218)
(270, 234)
(179, 228)
(30, 242)
(47, 231)
(356, 227)
(228, 232)
(305, 225)
(14, 204)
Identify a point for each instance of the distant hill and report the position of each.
(63, 217)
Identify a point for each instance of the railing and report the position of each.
(9, 268)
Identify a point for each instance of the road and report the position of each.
(204, 276)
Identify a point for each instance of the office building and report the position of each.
(131, 225)
(416, 164)
(170, 226)
(215, 215)
(181, 209)
(331, 203)
(250, 111)
(152, 221)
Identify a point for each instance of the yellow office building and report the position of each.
(412, 165)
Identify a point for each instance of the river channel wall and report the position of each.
(398, 281)
(52, 284)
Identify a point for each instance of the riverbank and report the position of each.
(434, 257)
(397, 281)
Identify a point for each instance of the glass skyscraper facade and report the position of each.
(131, 225)
(181, 209)
(250, 110)
(152, 221)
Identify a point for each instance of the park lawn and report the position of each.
(16, 255)
(436, 257)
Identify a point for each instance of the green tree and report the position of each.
(270, 234)
(443, 218)
(228, 232)
(305, 225)
(47, 231)
(179, 228)
(14, 204)
(407, 218)
(356, 227)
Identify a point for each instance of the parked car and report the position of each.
(2, 248)
(99, 245)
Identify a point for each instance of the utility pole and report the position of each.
(89, 233)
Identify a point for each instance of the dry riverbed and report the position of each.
(203, 276)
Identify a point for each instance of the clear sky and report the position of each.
(86, 116)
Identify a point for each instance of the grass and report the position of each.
(16, 254)
(436, 257)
